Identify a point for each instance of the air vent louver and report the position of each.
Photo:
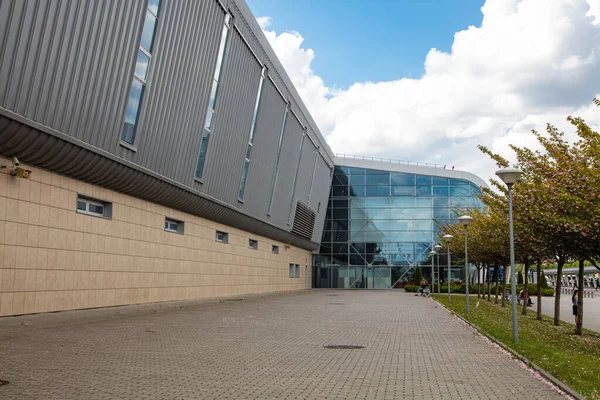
(304, 221)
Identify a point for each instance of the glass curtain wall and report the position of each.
(381, 224)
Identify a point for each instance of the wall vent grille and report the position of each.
(304, 221)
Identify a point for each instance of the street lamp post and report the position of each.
(437, 249)
(448, 238)
(465, 220)
(509, 176)
(432, 254)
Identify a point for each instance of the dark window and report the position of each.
(95, 207)
(222, 237)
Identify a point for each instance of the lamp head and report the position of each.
(437, 247)
(509, 175)
(432, 253)
(465, 220)
(448, 238)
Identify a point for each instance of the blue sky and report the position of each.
(359, 42)
(500, 68)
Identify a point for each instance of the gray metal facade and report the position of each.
(65, 73)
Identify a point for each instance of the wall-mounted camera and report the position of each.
(15, 169)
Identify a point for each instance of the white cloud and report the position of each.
(530, 62)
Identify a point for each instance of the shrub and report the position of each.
(548, 292)
(411, 288)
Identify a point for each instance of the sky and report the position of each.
(429, 80)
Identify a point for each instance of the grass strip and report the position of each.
(570, 358)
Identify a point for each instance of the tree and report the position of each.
(519, 278)
(418, 275)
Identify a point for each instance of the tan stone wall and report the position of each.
(54, 258)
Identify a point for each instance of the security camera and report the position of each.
(15, 162)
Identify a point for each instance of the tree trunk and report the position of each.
(579, 325)
(496, 274)
(525, 286)
(504, 288)
(489, 289)
(539, 289)
(478, 282)
(560, 263)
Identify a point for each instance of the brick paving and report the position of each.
(261, 347)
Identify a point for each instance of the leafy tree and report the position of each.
(519, 278)
(418, 276)
(543, 282)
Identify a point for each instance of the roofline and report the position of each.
(401, 166)
(270, 53)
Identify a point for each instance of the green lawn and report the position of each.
(570, 358)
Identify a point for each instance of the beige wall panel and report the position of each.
(53, 258)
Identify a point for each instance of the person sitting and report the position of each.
(424, 285)
(522, 298)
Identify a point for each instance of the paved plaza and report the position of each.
(591, 310)
(260, 347)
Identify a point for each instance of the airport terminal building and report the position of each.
(156, 150)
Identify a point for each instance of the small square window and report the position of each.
(222, 237)
(292, 271)
(97, 208)
(297, 275)
(174, 226)
(253, 244)
(275, 249)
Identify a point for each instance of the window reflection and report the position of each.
(141, 65)
(132, 111)
(148, 32)
(382, 218)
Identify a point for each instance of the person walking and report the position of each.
(597, 283)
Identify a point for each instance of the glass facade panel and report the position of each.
(400, 178)
(423, 191)
(148, 32)
(356, 171)
(357, 180)
(378, 191)
(423, 180)
(141, 65)
(403, 191)
(377, 233)
(358, 191)
(440, 191)
(132, 112)
(377, 179)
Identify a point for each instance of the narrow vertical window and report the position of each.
(274, 178)
(212, 101)
(136, 93)
(263, 74)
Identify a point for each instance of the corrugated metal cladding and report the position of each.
(232, 122)
(84, 163)
(68, 65)
(320, 191)
(290, 151)
(176, 95)
(305, 170)
(264, 151)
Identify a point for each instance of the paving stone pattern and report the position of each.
(261, 347)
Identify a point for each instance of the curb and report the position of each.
(559, 384)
